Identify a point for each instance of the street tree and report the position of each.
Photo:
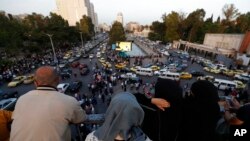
(157, 31)
(173, 23)
(86, 27)
(194, 23)
(117, 33)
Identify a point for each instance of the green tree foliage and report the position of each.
(10, 34)
(117, 33)
(193, 25)
(243, 23)
(173, 26)
(231, 13)
(86, 27)
(158, 31)
(29, 34)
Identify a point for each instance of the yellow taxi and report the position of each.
(29, 79)
(238, 71)
(207, 77)
(107, 64)
(16, 81)
(239, 84)
(213, 70)
(102, 60)
(207, 69)
(155, 68)
(134, 69)
(185, 75)
(228, 73)
(120, 66)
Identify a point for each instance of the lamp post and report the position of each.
(82, 41)
(53, 49)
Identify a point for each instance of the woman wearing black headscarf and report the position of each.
(159, 124)
(201, 112)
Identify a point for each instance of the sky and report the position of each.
(141, 11)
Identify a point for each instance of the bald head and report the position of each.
(46, 75)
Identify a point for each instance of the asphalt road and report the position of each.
(101, 107)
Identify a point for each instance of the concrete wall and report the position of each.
(229, 41)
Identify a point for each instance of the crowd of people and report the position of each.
(45, 114)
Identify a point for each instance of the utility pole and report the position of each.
(53, 49)
(82, 41)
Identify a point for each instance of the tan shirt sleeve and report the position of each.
(79, 114)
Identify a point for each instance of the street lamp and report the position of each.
(53, 49)
(82, 41)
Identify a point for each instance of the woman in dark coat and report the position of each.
(201, 112)
(162, 125)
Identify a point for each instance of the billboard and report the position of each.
(124, 46)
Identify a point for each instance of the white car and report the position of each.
(128, 75)
(8, 104)
(159, 72)
(62, 87)
(98, 54)
(91, 56)
(243, 77)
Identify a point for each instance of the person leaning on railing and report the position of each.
(239, 119)
(45, 114)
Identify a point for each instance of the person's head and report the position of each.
(168, 90)
(46, 76)
(204, 91)
(123, 113)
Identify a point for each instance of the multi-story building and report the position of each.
(119, 18)
(133, 26)
(96, 22)
(73, 10)
(104, 27)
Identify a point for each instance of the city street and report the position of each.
(101, 107)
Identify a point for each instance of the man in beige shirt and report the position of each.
(45, 114)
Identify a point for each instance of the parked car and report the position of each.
(75, 64)
(9, 94)
(120, 65)
(91, 56)
(8, 104)
(16, 81)
(66, 70)
(128, 75)
(84, 71)
(82, 65)
(75, 86)
(62, 87)
(65, 75)
(85, 56)
(29, 79)
(102, 60)
(243, 77)
(197, 73)
(125, 70)
(206, 77)
(239, 84)
(185, 75)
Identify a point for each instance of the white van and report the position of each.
(222, 84)
(145, 71)
(170, 75)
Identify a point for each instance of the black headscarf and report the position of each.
(200, 112)
(169, 120)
